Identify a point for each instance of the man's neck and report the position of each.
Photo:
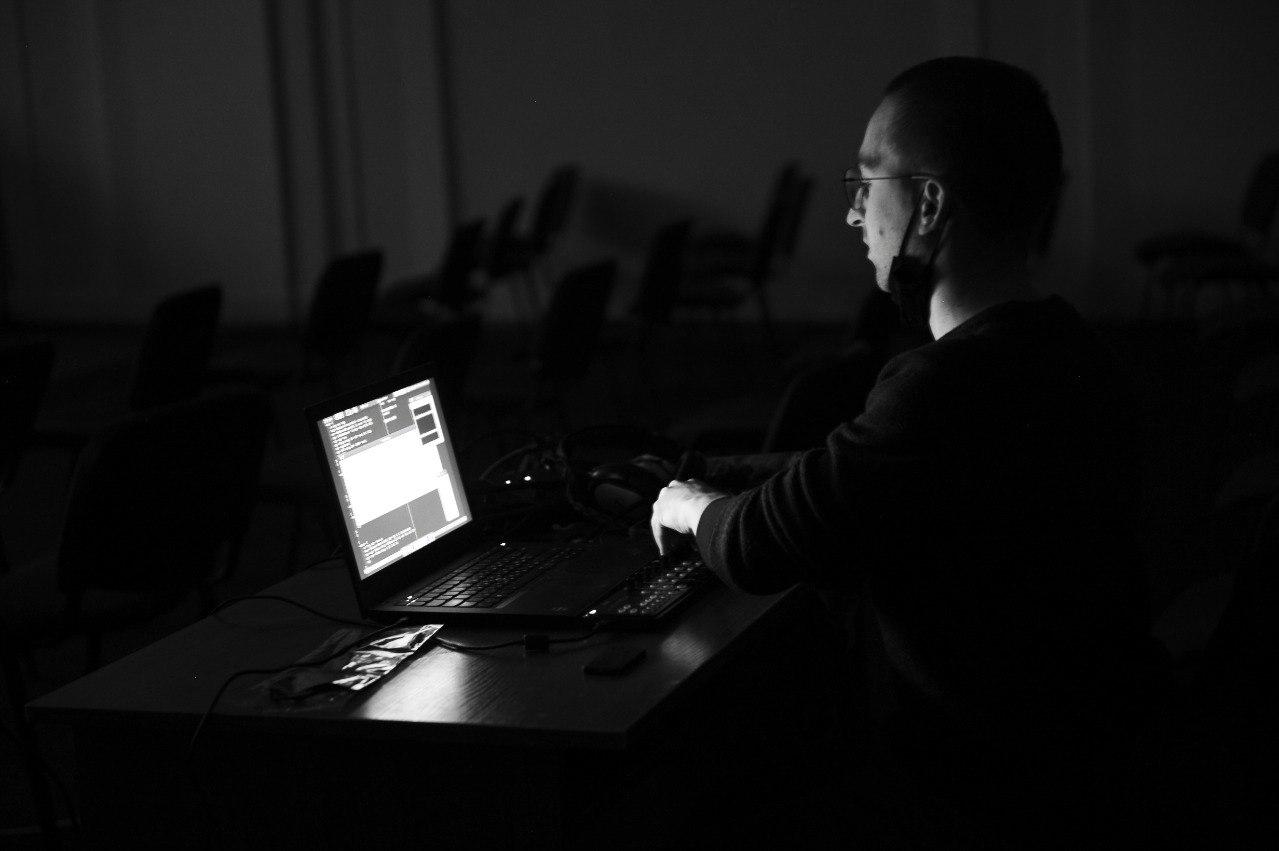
(956, 299)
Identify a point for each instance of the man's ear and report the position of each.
(934, 205)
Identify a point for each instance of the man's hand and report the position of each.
(678, 509)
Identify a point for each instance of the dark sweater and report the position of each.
(981, 505)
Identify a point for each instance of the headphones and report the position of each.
(613, 473)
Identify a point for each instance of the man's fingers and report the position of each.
(656, 526)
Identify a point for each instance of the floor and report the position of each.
(1194, 434)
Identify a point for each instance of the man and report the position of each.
(980, 506)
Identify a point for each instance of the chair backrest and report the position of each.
(820, 398)
(664, 268)
(24, 377)
(341, 305)
(571, 326)
(451, 346)
(1260, 202)
(800, 192)
(498, 251)
(462, 257)
(156, 495)
(773, 229)
(176, 347)
(1240, 657)
(554, 207)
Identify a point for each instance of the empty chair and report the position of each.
(1184, 262)
(1202, 768)
(659, 286)
(158, 504)
(339, 313)
(567, 338)
(501, 252)
(794, 223)
(451, 346)
(172, 363)
(336, 324)
(571, 328)
(527, 254)
(24, 376)
(824, 390)
(176, 347)
(726, 270)
(449, 287)
(664, 270)
(821, 397)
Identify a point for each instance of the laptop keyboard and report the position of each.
(491, 578)
(655, 591)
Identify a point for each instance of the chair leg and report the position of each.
(41, 797)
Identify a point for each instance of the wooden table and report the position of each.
(490, 749)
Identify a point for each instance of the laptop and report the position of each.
(414, 546)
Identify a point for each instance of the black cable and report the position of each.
(514, 453)
(519, 642)
(489, 435)
(233, 600)
(268, 671)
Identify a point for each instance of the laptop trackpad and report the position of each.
(572, 586)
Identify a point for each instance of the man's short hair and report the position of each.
(985, 126)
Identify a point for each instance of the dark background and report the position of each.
(141, 139)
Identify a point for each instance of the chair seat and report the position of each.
(32, 606)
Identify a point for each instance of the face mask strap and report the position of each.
(910, 281)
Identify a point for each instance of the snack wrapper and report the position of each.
(354, 671)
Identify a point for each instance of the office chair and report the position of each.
(449, 287)
(176, 346)
(451, 345)
(500, 252)
(1206, 766)
(825, 394)
(571, 328)
(158, 504)
(1183, 263)
(725, 270)
(794, 223)
(339, 314)
(565, 345)
(171, 364)
(24, 377)
(664, 269)
(824, 389)
(527, 255)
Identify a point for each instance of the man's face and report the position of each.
(884, 206)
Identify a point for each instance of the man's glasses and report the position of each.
(856, 186)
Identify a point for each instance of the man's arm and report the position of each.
(678, 510)
(733, 473)
(833, 511)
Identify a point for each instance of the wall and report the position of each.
(142, 139)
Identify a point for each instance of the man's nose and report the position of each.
(854, 218)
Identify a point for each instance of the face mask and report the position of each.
(910, 280)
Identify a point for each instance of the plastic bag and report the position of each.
(353, 671)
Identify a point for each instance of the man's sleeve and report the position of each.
(831, 514)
